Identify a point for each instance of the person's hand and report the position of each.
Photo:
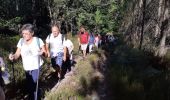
(2, 68)
(11, 57)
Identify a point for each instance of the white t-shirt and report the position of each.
(56, 44)
(69, 45)
(30, 53)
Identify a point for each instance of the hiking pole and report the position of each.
(37, 86)
(13, 71)
(37, 78)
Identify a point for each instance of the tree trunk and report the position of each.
(17, 5)
(160, 8)
(143, 6)
(49, 9)
(162, 49)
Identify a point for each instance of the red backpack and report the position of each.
(84, 38)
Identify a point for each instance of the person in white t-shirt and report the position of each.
(30, 48)
(69, 45)
(55, 49)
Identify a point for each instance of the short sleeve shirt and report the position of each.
(56, 44)
(68, 44)
(30, 53)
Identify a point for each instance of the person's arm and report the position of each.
(47, 49)
(78, 40)
(65, 52)
(43, 50)
(47, 46)
(16, 55)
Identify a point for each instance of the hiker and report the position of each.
(30, 49)
(69, 59)
(83, 39)
(4, 78)
(91, 42)
(100, 40)
(97, 40)
(55, 49)
(4, 72)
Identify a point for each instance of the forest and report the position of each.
(138, 63)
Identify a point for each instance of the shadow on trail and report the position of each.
(129, 74)
(132, 74)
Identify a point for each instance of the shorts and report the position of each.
(58, 60)
(83, 47)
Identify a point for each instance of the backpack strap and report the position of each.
(22, 41)
(38, 42)
(49, 36)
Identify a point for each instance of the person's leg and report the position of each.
(32, 77)
(35, 76)
(69, 64)
(30, 85)
(84, 47)
(90, 48)
(59, 62)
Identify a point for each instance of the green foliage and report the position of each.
(12, 23)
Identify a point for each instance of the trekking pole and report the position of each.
(13, 71)
(37, 86)
(37, 79)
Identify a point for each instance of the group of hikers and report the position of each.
(87, 41)
(57, 46)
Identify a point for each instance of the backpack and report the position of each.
(84, 38)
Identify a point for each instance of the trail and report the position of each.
(98, 86)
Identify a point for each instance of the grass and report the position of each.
(81, 84)
(78, 85)
(130, 74)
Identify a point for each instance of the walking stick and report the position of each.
(36, 96)
(13, 71)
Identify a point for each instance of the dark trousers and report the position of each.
(31, 81)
